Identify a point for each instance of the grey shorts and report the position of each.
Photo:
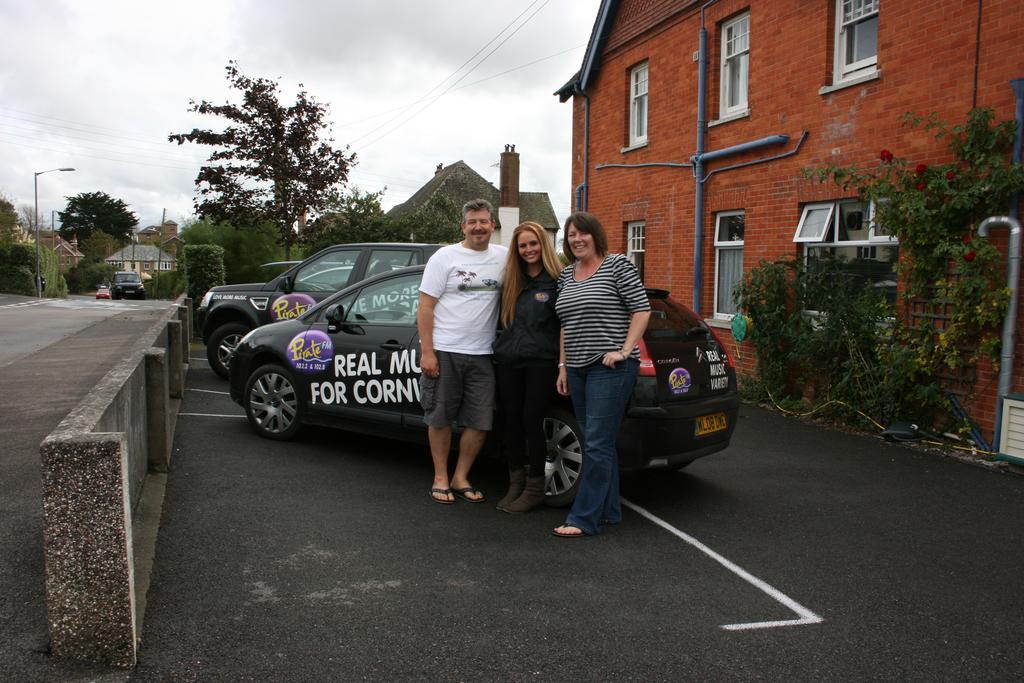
(462, 393)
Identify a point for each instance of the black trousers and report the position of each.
(524, 394)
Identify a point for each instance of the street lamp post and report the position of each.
(39, 282)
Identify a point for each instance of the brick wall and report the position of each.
(926, 56)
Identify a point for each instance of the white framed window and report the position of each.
(814, 221)
(638, 105)
(729, 228)
(845, 234)
(856, 51)
(636, 238)
(735, 65)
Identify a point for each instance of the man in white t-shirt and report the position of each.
(458, 317)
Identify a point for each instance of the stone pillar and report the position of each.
(175, 359)
(158, 415)
(90, 584)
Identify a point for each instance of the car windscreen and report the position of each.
(127, 277)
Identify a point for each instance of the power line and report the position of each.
(60, 137)
(449, 88)
(92, 156)
(452, 74)
(462, 87)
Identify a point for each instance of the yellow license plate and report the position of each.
(707, 424)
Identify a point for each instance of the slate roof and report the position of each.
(140, 252)
(461, 183)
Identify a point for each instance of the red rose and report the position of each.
(886, 156)
(968, 237)
(950, 175)
(969, 256)
(920, 186)
(921, 168)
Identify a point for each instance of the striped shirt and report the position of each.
(595, 312)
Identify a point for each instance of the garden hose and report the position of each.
(975, 450)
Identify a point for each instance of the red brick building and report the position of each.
(699, 197)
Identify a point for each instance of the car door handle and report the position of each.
(392, 346)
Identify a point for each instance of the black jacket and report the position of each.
(532, 338)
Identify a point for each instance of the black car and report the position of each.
(229, 311)
(127, 285)
(352, 362)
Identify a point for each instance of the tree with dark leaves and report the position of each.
(271, 163)
(91, 211)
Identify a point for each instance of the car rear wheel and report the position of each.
(565, 456)
(220, 345)
(272, 403)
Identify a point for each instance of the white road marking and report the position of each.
(805, 615)
(210, 391)
(209, 415)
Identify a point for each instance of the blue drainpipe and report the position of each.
(1010, 322)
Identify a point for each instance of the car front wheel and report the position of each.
(565, 456)
(272, 403)
(220, 345)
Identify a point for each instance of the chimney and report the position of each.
(439, 168)
(509, 183)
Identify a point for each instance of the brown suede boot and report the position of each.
(533, 495)
(516, 483)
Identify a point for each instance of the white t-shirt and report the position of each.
(467, 286)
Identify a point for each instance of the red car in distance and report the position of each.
(103, 292)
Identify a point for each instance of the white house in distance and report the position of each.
(143, 259)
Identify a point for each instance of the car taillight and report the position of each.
(646, 364)
(728, 359)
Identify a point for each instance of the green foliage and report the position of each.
(436, 222)
(352, 216)
(49, 265)
(17, 268)
(855, 348)
(98, 246)
(168, 284)
(244, 250)
(8, 220)
(203, 268)
(270, 163)
(89, 212)
(88, 274)
(934, 210)
(823, 333)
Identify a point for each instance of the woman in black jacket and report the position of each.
(526, 354)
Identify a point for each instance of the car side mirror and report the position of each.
(335, 316)
(287, 284)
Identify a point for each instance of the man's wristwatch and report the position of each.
(561, 365)
(624, 356)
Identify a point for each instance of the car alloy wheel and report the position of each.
(564, 458)
(221, 344)
(272, 404)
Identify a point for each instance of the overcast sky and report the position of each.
(99, 85)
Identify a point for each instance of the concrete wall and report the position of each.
(95, 465)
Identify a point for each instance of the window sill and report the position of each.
(849, 83)
(639, 145)
(745, 114)
(723, 322)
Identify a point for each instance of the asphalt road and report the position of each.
(28, 324)
(798, 553)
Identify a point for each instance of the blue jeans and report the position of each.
(599, 397)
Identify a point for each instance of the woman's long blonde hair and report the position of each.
(515, 268)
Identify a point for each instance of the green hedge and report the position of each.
(17, 268)
(204, 268)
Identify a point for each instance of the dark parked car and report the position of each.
(127, 285)
(227, 312)
(352, 362)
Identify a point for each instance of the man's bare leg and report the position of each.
(440, 444)
(470, 443)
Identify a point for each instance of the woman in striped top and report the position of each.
(604, 311)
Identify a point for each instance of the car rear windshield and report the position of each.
(127, 277)
(670, 319)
